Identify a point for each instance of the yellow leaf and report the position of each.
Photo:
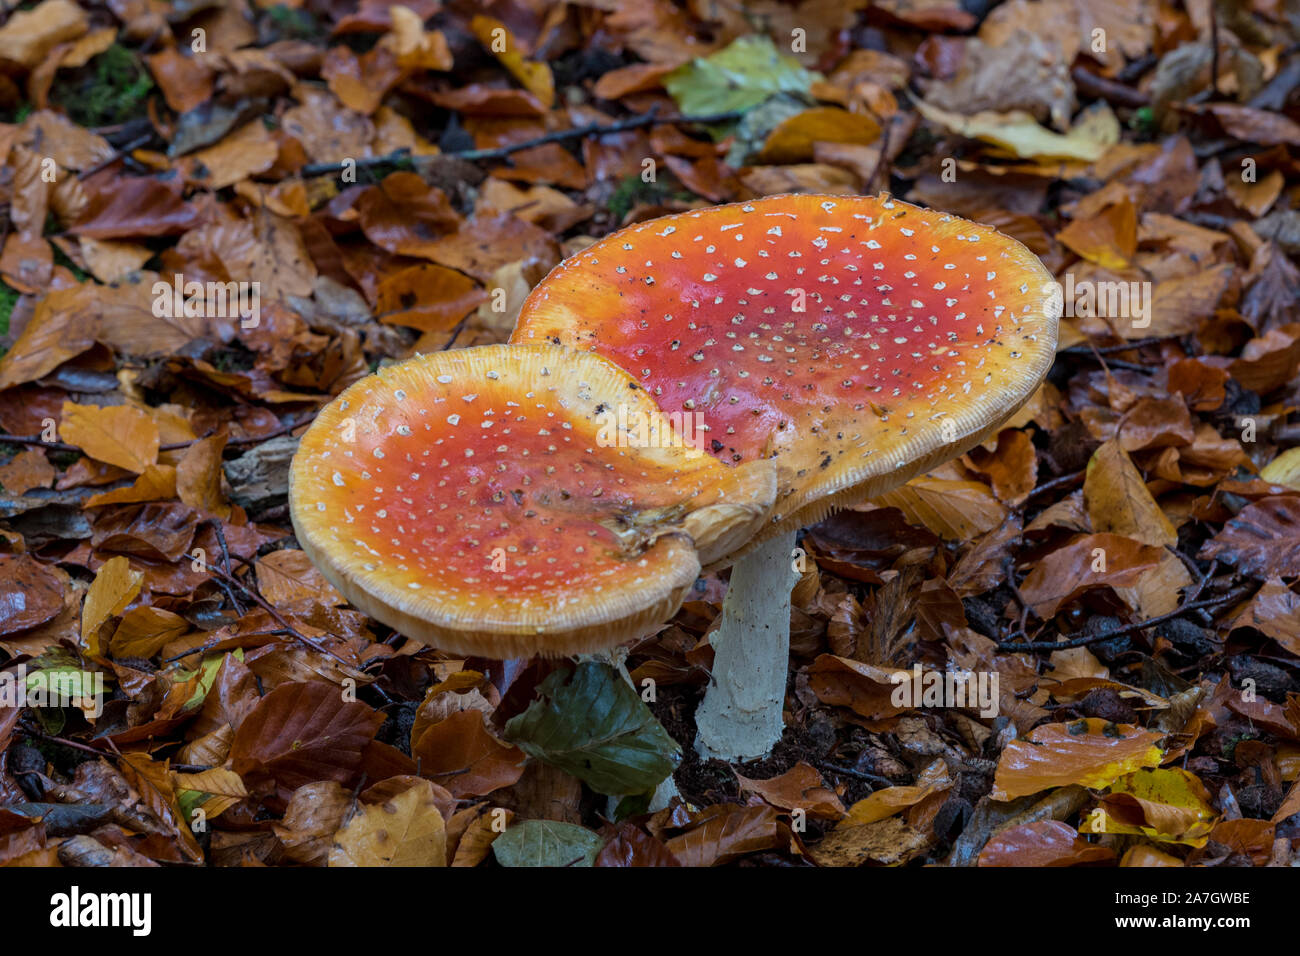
(1117, 499)
(217, 781)
(1284, 469)
(792, 141)
(198, 477)
(954, 510)
(145, 631)
(406, 830)
(534, 77)
(114, 587)
(115, 434)
(1019, 133)
(156, 483)
(1165, 804)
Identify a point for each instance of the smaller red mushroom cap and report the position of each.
(504, 501)
(858, 341)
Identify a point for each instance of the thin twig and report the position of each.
(1061, 481)
(858, 774)
(37, 441)
(1111, 349)
(1214, 49)
(225, 560)
(884, 155)
(61, 741)
(114, 156)
(651, 118)
(1118, 632)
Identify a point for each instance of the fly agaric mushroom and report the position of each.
(856, 341)
(486, 501)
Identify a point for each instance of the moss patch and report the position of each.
(108, 90)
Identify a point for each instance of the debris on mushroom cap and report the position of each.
(500, 501)
(857, 340)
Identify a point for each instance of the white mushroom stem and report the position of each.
(740, 717)
(667, 788)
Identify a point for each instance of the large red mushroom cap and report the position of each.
(495, 501)
(859, 341)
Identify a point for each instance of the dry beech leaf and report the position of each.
(115, 434)
(198, 476)
(1117, 499)
(460, 754)
(287, 575)
(156, 483)
(405, 830)
(315, 813)
(799, 788)
(722, 833)
(144, 631)
(301, 733)
(954, 510)
(27, 470)
(1274, 611)
(1087, 562)
(115, 586)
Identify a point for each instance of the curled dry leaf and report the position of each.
(1166, 804)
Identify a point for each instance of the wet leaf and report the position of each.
(1166, 804)
(1090, 752)
(1262, 541)
(1046, 843)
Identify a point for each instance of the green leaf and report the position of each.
(596, 727)
(738, 77)
(547, 843)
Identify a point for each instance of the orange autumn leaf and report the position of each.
(460, 754)
(1043, 843)
(1090, 752)
(114, 434)
(799, 788)
(1087, 562)
(533, 76)
(198, 476)
(156, 483)
(27, 470)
